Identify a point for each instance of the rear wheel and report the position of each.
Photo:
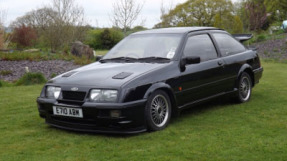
(244, 88)
(158, 111)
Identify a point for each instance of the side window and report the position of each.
(200, 45)
(228, 45)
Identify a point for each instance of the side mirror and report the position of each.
(189, 60)
(99, 57)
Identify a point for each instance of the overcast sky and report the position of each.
(97, 11)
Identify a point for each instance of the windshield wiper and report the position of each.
(153, 58)
(127, 59)
(118, 58)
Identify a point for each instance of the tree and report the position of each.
(278, 9)
(2, 30)
(67, 24)
(164, 10)
(5, 38)
(240, 11)
(237, 25)
(256, 11)
(198, 13)
(253, 14)
(125, 13)
(57, 25)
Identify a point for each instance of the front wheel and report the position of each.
(244, 88)
(158, 111)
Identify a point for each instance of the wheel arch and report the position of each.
(168, 90)
(248, 69)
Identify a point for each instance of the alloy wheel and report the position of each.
(159, 110)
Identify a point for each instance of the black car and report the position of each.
(149, 76)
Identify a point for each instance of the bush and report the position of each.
(107, 41)
(6, 84)
(6, 72)
(261, 38)
(103, 38)
(53, 75)
(31, 79)
(24, 36)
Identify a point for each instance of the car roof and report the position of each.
(176, 30)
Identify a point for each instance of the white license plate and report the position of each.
(67, 111)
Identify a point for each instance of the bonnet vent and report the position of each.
(69, 74)
(122, 75)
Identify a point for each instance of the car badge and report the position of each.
(74, 89)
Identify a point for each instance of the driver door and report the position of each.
(200, 81)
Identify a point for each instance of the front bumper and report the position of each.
(96, 117)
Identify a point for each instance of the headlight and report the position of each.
(103, 96)
(53, 92)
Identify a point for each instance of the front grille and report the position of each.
(76, 96)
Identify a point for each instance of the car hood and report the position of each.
(105, 75)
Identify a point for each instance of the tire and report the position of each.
(158, 111)
(244, 88)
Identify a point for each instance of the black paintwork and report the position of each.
(186, 81)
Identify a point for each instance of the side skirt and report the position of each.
(206, 99)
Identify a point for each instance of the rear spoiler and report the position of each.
(242, 37)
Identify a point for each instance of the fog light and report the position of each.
(115, 113)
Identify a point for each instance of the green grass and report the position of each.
(256, 130)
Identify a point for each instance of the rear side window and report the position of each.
(228, 45)
(200, 45)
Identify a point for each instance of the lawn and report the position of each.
(218, 130)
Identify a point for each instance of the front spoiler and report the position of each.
(99, 130)
(96, 117)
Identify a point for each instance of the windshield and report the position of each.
(145, 46)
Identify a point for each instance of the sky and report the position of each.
(97, 12)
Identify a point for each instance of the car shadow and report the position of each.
(113, 135)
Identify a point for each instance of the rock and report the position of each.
(27, 69)
(31, 50)
(79, 49)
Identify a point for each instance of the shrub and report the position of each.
(103, 38)
(93, 38)
(24, 36)
(5, 72)
(31, 79)
(6, 84)
(261, 38)
(106, 38)
(83, 60)
(53, 75)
